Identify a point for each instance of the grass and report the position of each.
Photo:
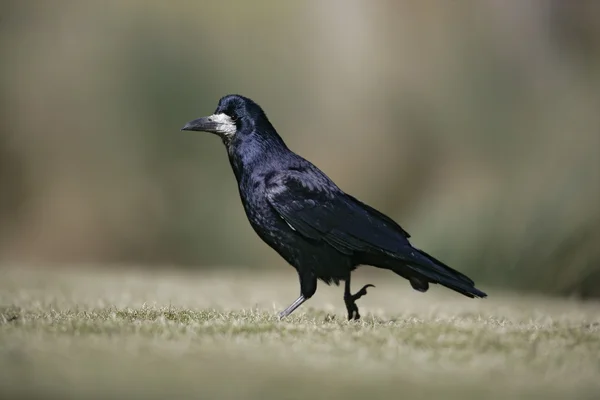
(90, 333)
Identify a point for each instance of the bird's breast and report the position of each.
(262, 217)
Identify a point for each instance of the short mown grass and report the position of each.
(90, 333)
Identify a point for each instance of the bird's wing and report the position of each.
(314, 207)
(318, 210)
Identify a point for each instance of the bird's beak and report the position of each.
(204, 124)
(221, 124)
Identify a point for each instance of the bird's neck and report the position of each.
(253, 150)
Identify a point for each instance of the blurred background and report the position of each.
(474, 124)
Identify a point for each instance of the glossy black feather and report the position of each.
(320, 230)
(320, 211)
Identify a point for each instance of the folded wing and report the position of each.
(318, 210)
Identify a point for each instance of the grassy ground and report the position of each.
(127, 334)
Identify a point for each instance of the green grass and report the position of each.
(130, 334)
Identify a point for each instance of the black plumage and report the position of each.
(297, 210)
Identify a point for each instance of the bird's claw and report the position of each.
(351, 302)
(361, 292)
(353, 312)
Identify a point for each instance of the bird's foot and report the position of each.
(350, 301)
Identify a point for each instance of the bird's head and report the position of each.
(233, 115)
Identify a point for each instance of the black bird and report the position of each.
(297, 210)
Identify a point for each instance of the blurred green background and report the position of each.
(475, 124)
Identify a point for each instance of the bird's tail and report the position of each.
(430, 266)
(421, 269)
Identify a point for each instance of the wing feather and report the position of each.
(317, 209)
(322, 212)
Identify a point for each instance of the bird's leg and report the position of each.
(292, 307)
(350, 299)
(308, 287)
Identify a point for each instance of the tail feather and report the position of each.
(438, 272)
(422, 268)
